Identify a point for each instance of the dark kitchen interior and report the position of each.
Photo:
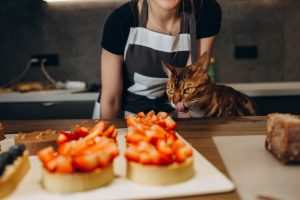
(258, 42)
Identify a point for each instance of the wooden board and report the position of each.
(255, 171)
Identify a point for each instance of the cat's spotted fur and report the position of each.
(191, 91)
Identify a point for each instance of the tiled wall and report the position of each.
(74, 32)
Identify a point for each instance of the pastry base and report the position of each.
(76, 182)
(13, 175)
(160, 175)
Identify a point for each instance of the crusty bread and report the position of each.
(77, 181)
(283, 137)
(160, 174)
(13, 174)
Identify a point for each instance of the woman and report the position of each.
(137, 36)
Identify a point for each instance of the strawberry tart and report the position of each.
(83, 161)
(154, 153)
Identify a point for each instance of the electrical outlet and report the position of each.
(246, 52)
(50, 59)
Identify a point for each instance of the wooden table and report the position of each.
(198, 132)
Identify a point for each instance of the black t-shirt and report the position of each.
(117, 26)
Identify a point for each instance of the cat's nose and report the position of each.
(180, 106)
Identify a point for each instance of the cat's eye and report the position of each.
(170, 91)
(188, 90)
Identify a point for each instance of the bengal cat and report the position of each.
(193, 94)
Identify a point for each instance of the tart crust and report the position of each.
(160, 175)
(13, 174)
(78, 181)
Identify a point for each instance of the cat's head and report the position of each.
(188, 86)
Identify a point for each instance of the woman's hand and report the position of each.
(111, 82)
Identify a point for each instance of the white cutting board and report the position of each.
(255, 171)
(207, 180)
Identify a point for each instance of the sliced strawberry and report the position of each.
(86, 162)
(132, 153)
(150, 114)
(162, 115)
(47, 154)
(67, 149)
(145, 158)
(61, 139)
(109, 131)
(81, 132)
(51, 165)
(97, 130)
(180, 155)
(104, 158)
(114, 134)
(112, 149)
(172, 137)
(64, 164)
(135, 136)
(178, 144)
(141, 114)
(164, 148)
(144, 147)
(165, 160)
(80, 146)
(154, 156)
(170, 123)
(154, 135)
(131, 120)
(188, 150)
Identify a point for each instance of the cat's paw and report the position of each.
(183, 115)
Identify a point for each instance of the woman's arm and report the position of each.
(111, 82)
(204, 45)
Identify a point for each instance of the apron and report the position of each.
(144, 78)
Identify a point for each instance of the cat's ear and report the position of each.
(168, 68)
(202, 63)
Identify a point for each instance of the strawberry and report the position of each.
(145, 158)
(170, 123)
(178, 144)
(104, 158)
(180, 155)
(61, 139)
(154, 156)
(144, 146)
(67, 148)
(97, 130)
(162, 115)
(135, 136)
(112, 149)
(188, 150)
(141, 114)
(164, 148)
(47, 154)
(165, 160)
(85, 163)
(64, 164)
(81, 132)
(51, 165)
(132, 153)
(109, 131)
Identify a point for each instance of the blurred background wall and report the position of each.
(271, 27)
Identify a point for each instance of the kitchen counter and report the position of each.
(198, 132)
(48, 96)
(251, 89)
(268, 89)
